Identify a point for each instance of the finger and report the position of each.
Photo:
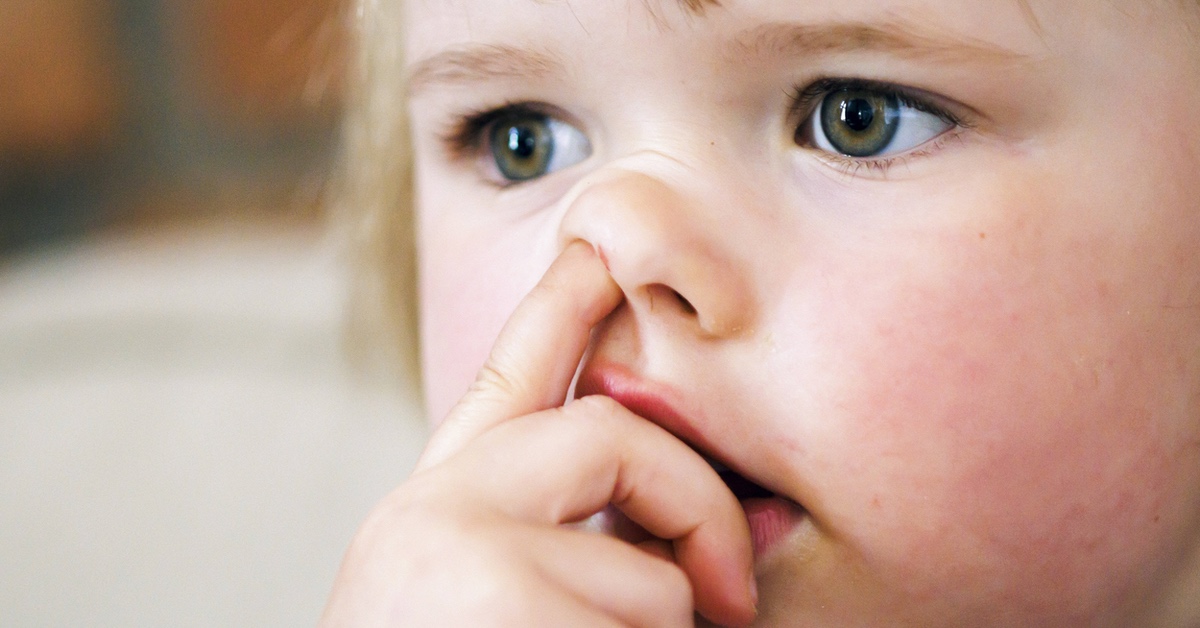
(617, 578)
(552, 606)
(537, 353)
(420, 564)
(563, 464)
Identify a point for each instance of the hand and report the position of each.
(475, 536)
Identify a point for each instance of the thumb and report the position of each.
(536, 354)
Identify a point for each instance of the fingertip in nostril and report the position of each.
(603, 258)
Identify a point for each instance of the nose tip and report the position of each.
(666, 249)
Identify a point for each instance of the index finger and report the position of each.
(537, 352)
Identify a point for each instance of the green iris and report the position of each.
(522, 146)
(860, 123)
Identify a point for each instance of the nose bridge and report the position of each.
(664, 247)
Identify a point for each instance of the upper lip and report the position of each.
(640, 397)
(653, 402)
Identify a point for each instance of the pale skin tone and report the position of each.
(974, 362)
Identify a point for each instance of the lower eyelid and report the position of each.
(851, 166)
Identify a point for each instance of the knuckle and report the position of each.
(490, 580)
(445, 560)
(409, 513)
(493, 379)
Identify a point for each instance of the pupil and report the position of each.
(858, 114)
(522, 142)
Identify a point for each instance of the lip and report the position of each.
(643, 398)
(770, 519)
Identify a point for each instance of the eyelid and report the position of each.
(466, 134)
(804, 101)
(881, 166)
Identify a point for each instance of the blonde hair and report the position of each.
(372, 193)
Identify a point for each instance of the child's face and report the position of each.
(956, 318)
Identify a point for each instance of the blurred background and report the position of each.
(115, 111)
(184, 442)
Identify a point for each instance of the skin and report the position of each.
(977, 368)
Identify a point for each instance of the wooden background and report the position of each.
(141, 111)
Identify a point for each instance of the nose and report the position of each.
(665, 248)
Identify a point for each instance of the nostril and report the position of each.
(687, 306)
(659, 293)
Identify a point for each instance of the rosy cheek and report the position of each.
(471, 279)
(461, 316)
(979, 412)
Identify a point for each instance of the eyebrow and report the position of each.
(696, 7)
(481, 62)
(474, 63)
(898, 38)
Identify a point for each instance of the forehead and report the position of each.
(604, 31)
(433, 25)
(579, 36)
(665, 14)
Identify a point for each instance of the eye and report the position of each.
(526, 145)
(869, 122)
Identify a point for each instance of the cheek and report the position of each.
(472, 276)
(460, 317)
(1000, 402)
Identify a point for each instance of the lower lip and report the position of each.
(771, 520)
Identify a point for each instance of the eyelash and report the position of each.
(806, 100)
(465, 138)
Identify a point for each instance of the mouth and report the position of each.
(741, 488)
(771, 517)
